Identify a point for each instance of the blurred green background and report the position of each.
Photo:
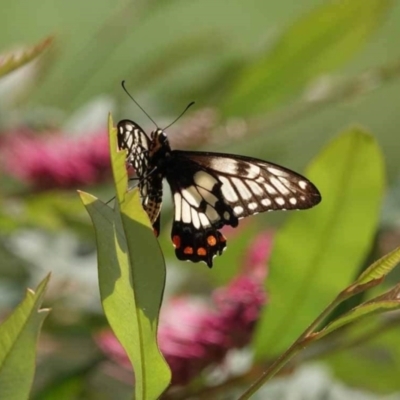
(275, 80)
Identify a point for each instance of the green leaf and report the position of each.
(388, 301)
(10, 62)
(18, 337)
(131, 277)
(318, 251)
(316, 44)
(380, 268)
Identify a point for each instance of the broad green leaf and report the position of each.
(388, 301)
(316, 44)
(18, 338)
(10, 62)
(317, 253)
(131, 278)
(379, 268)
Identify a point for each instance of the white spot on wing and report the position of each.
(270, 189)
(255, 188)
(285, 181)
(178, 206)
(241, 188)
(129, 127)
(186, 217)
(227, 190)
(279, 186)
(129, 141)
(293, 200)
(280, 201)
(121, 129)
(228, 165)
(226, 215)
(195, 219)
(252, 206)
(253, 171)
(276, 171)
(211, 214)
(205, 180)
(204, 220)
(266, 202)
(192, 196)
(207, 196)
(238, 210)
(303, 184)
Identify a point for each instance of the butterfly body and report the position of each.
(210, 190)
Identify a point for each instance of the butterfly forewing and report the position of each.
(132, 138)
(200, 210)
(250, 185)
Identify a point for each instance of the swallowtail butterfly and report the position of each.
(209, 190)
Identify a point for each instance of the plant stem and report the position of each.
(301, 342)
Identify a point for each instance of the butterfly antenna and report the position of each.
(126, 91)
(183, 112)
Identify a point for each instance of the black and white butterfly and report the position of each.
(209, 190)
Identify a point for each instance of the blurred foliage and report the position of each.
(19, 334)
(314, 45)
(10, 62)
(285, 77)
(334, 237)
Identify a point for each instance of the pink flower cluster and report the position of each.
(194, 334)
(54, 160)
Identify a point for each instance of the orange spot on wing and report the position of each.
(188, 250)
(176, 240)
(212, 240)
(201, 251)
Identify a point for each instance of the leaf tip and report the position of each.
(87, 198)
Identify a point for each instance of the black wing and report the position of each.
(133, 138)
(211, 190)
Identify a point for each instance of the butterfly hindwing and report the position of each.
(197, 244)
(200, 211)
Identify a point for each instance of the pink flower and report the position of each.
(258, 255)
(194, 334)
(54, 160)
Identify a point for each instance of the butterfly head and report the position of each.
(159, 136)
(159, 148)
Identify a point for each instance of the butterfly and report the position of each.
(210, 190)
